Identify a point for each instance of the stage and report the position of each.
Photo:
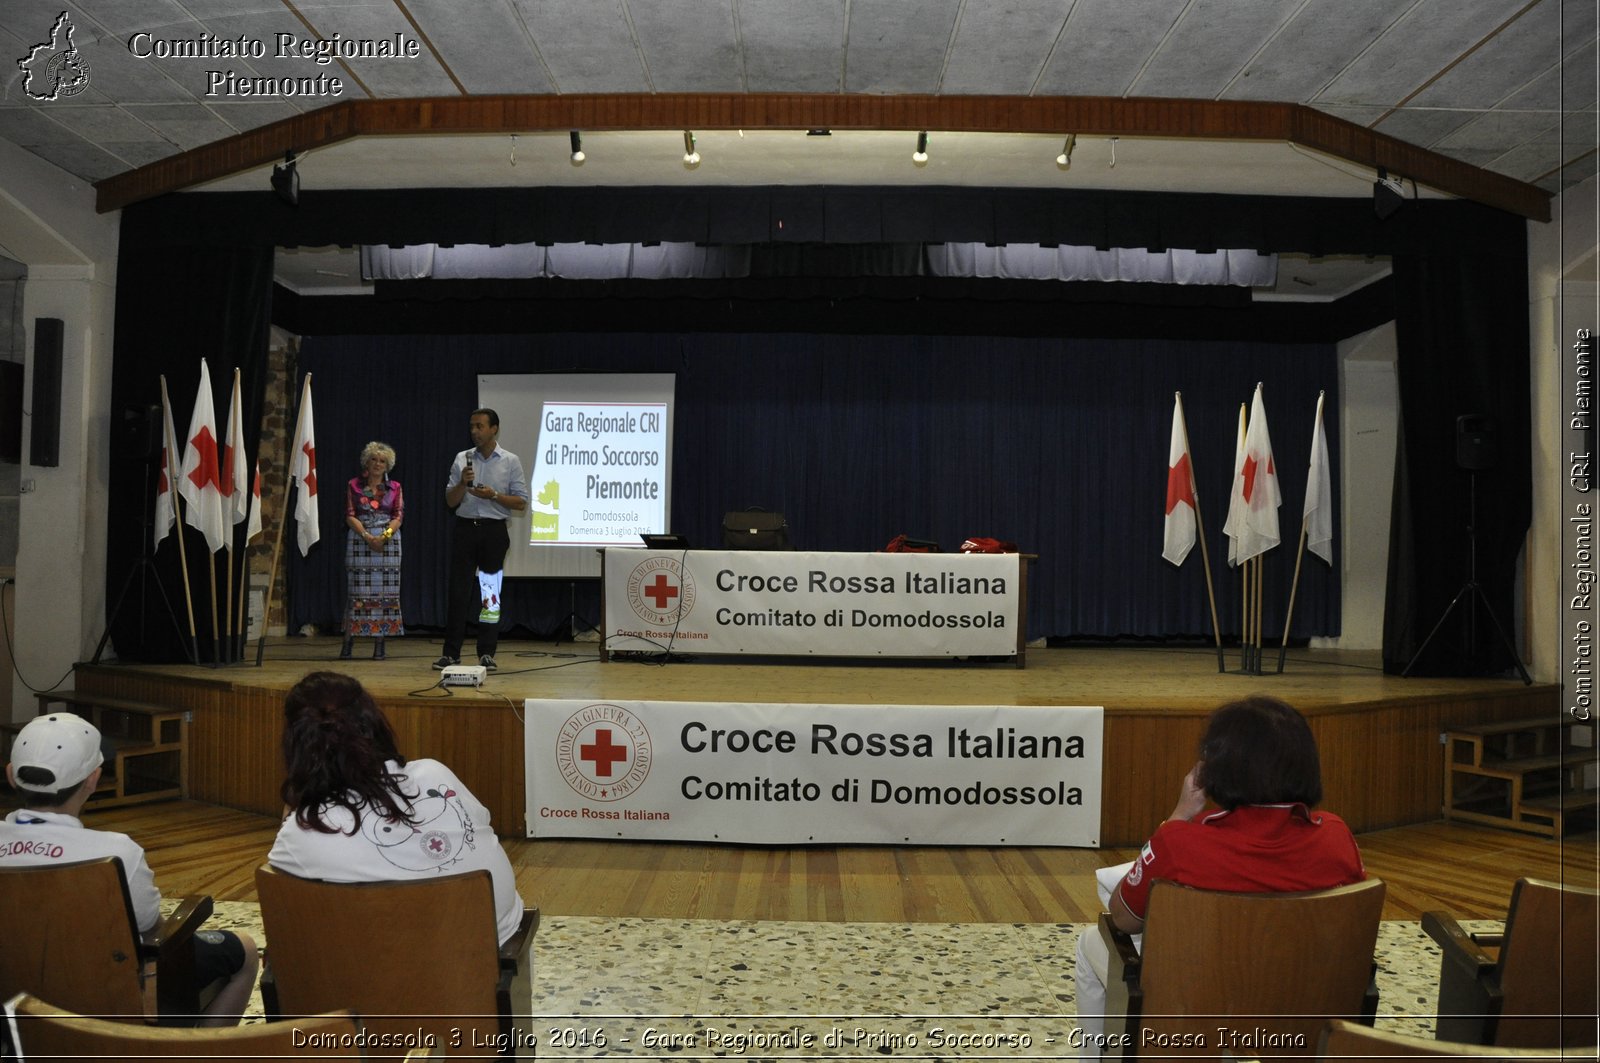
(1379, 734)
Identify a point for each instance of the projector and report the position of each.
(463, 675)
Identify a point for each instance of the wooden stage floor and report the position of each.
(1379, 734)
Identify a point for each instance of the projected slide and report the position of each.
(597, 451)
(606, 461)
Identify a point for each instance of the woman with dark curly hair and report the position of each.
(374, 509)
(1258, 764)
(356, 810)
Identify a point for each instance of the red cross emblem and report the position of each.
(602, 753)
(660, 591)
(206, 471)
(310, 478)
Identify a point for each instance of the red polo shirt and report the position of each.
(1252, 849)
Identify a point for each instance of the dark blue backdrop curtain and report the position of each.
(1057, 444)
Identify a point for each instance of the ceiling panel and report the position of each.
(1106, 45)
(898, 46)
(688, 45)
(1312, 49)
(1203, 53)
(586, 45)
(1423, 42)
(1507, 62)
(1002, 51)
(793, 45)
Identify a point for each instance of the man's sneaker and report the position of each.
(445, 662)
(488, 663)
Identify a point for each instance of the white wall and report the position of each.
(1562, 297)
(49, 225)
(1369, 419)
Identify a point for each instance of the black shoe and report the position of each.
(487, 660)
(445, 662)
(349, 644)
(377, 651)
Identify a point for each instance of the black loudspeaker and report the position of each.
(11, 412)
(1477, 445)
(140, 432)
(44, 446)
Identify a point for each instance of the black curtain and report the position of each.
(1461, 325)
(1058, 445)
(175, 306)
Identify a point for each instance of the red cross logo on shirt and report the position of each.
(660, 591)
(602, 753)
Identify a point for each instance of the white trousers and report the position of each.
(1089, 975)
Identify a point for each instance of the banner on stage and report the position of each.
(827, 604)
(794, 774)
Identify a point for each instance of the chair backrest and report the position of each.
(1343, 1040)
(70, 937)
(1269, 967)
(404, 955)
(44, 1031)
(1547, 966)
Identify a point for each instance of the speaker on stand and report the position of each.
(138, 433)
(1477, 450)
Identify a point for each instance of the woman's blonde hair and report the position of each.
(376, 449)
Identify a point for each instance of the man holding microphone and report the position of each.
(486, 486)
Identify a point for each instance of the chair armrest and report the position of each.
(180, 925)
(1119, 944)
(516, 946)
(1460, 948)
(1124, 993)
(171, 944)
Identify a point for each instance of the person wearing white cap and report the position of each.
(55, 766)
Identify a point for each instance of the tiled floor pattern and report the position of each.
(686, 989)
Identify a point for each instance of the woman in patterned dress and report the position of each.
(374, 509)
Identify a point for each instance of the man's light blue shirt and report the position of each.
(501, 470)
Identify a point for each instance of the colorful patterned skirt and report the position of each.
(373, 582)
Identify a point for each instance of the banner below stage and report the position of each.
(803, 602)
(794, 774)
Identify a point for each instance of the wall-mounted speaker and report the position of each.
(1477, 442)
(140, 432)
(44, 443)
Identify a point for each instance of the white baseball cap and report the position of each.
(66, 746)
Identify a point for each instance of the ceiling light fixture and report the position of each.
(1113, 164)
(691, 154)
(920, 156)
(1064, 160)
(286, 180)
(577, 147)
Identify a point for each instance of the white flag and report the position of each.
(1179, 533)
(1236, 503)
(303, 469)
(1258, 486)
(200, 483)
(235, 481)
(1319, 495)
(166, 477)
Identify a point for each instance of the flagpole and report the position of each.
(177, 514)
(1200, 532)
(1300, 553)
(277, 547)
(1261, 581)
(216, 630)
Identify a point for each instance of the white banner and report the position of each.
(792, 774)
(827, 604)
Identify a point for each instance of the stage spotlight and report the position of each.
(1064, 160)
(286, 180)
(1388, 194)
(920, 156)
(691, 154)
(577, 148)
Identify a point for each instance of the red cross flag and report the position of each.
(200, 484)
(1257, 486)
(303, 469)
(1236, 505)
(253, 529)
(1178, 537)
(235, 482)
(166, 516)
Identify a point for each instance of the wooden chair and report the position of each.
(70, 937)
(405, 955)
(1267, 968)
(44, 1031)
(1347, 1040)
(1534, 984)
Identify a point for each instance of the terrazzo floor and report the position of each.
(687, 989)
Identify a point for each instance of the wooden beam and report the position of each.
(1098, 116)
